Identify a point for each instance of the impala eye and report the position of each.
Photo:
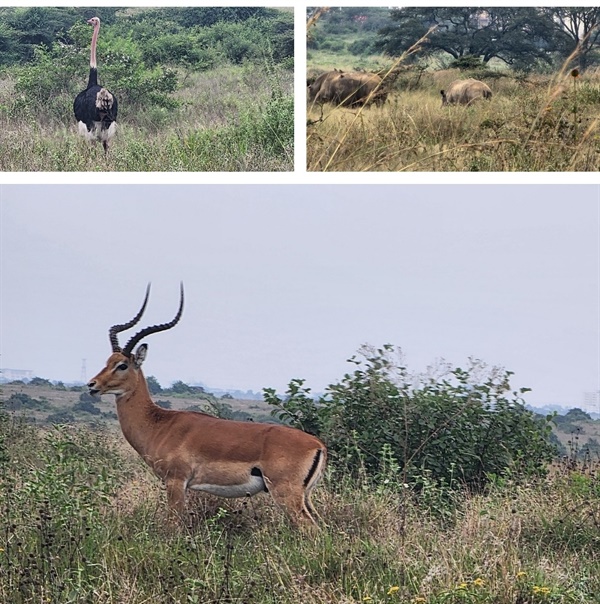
(122, 366)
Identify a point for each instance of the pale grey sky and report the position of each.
(289, 281)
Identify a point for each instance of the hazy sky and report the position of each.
(289, 281)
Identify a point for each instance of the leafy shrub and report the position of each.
(362, 46)
(333, 45)
(60, 418)
(49, 79)
(86, 397)
(466, 63)
(19, 401)
(38, 381)
(50, 511)
(86, 406)
(459, 428)
(180, 387)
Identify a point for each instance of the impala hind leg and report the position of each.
(294, 501)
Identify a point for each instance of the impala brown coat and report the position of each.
(189, 450)
(465, 92)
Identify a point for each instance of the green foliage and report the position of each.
(296, 408)
(362, 46)
(10, 47)
(19, 401)
(61, 418)
(457, 429)
(153, 385)
(180, 387)
(353, 20)
(466, 63)
(82, 520)
(38, 381)
(208, 16)
(577, 414)
(87, 406)
(50, 512)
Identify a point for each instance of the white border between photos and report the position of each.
(300, 175)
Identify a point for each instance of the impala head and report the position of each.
(122, 372)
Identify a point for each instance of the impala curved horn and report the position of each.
(154, 328)
(115, 329)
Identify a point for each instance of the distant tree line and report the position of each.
(176, 35)
(522, 37)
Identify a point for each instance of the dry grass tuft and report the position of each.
(537, 124)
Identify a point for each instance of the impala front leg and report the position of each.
(176, 497)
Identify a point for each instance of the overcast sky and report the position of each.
(288, 281)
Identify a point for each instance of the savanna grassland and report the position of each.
(205, 89)
(544, 114)
(530, 124)
(83, 520)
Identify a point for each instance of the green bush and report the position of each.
(467, 63)
(19, 400)
(362, 46)
(458, 429)
(87, 406)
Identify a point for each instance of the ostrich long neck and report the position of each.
(93, 81)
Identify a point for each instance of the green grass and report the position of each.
(82, 519)
(231, 119)
(533, 125)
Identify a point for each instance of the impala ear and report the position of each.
(140, 355)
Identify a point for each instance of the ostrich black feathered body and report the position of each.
(96, 107)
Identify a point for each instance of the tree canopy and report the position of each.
(513, 35)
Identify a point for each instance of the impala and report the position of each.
(190, 450)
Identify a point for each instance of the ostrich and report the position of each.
(96, 108)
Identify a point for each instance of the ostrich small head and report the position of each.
(95, 21)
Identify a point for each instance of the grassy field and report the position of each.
(237, 118)
(82, 519)
(532, 124)
(43, 402)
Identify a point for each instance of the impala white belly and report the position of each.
(254, 485)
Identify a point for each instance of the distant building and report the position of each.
(591, 400)
(12, 375)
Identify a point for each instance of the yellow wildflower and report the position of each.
(541, 590)
(392, 590)
(521, 574)
(419, 599)
(479, 582)
(367, 599)
(462, 586)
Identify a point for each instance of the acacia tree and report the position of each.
(517, 36)
(579, 28)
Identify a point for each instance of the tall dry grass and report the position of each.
(533, 124)
(82, 519)
(231, 119)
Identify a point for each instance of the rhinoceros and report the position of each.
(347, 88)
(465, 92)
